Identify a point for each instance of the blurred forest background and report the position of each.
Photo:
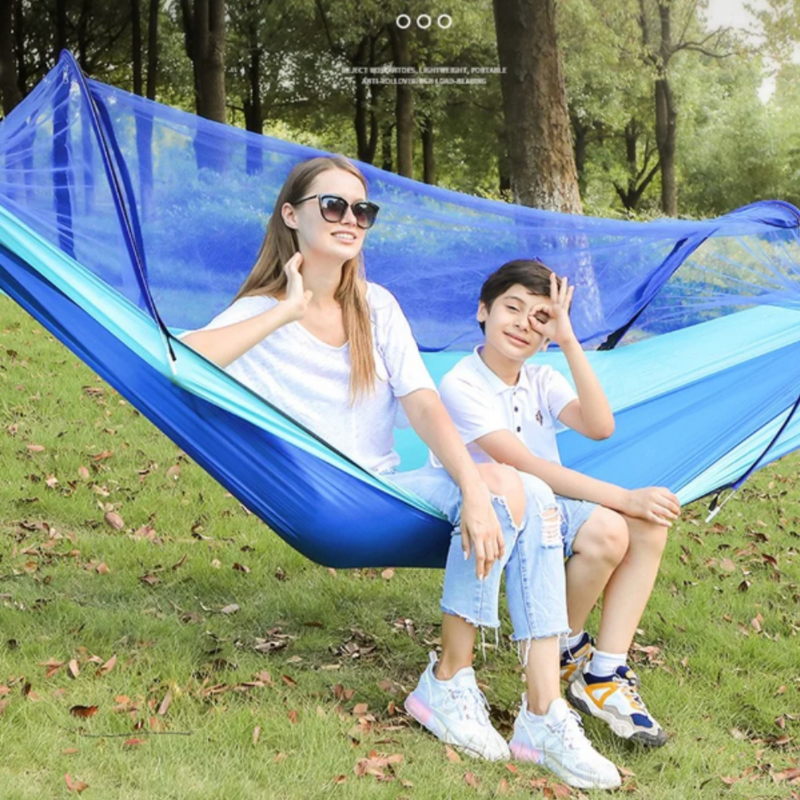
(655, 110)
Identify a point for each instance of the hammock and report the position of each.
(124, 222)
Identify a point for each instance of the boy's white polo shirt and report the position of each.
(480, 403)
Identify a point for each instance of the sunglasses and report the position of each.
(333, 208)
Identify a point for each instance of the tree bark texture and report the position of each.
(541, 156)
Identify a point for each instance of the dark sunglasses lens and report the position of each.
(365, 214)
(333, 208)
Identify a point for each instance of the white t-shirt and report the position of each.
(310, 380)
(480, 403)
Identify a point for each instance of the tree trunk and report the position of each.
(253, 110)
(204, 32)
(404, 106)
(386, 149)
(581, 132)
(428, 155)
(666, 117)
(9, 87)
(541, 156)
(666, 129)
(152, 50)
(136, 47)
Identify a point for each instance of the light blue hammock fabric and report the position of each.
(124, 222)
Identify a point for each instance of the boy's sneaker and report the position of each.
(557, 741)
(456, 712)
(574, 659)
(614, 699)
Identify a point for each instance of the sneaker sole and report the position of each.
(620, 727)
(532, 755)
(426, 717)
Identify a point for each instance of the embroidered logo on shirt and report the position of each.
(539, 418)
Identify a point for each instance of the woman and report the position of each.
(336, 352)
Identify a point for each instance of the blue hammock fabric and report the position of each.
(124, 222)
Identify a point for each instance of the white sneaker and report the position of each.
(456, 712)
(557, 741)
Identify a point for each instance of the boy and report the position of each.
(508, 411)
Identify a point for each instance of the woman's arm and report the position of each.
(224, 345)
(655, 504)
(479, 523)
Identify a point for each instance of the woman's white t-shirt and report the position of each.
(310, 380)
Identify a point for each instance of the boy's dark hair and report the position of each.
(530, 273)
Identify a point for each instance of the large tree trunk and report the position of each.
(542, 160)
(9, 86)
(404, 106)
(204, 31)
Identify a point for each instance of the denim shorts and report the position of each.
(573, 514)
(533, 560)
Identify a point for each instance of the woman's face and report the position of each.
(318, 238)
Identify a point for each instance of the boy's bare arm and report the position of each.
(590, 414)
(656, 504)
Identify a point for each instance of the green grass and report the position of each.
(719, 686)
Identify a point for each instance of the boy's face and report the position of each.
(507, 324)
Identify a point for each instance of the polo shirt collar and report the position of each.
(497, 384)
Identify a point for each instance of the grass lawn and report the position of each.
(158, 641)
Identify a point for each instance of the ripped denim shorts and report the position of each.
(533, 560)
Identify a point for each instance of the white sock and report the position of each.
(569, 642)
(603, 664)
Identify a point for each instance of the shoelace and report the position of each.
(628, 688)
(472, 701)
(571, 730)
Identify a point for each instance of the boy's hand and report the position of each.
(480, 530)
(551, 319)
(654, 504)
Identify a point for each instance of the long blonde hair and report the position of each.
(267, 277)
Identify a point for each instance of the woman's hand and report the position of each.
(552, 319)
(654, 504)
(480, 529)
(295, 303)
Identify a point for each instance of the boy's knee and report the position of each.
(506, 482)
(649, 535)
(537, 491)
(604, 537)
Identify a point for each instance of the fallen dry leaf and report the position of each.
(107, 667)
(294, 717)
(451, 754)
(73, 669)
(133, 742)
(114, 520)
(75, 785)
(164, 707)
(471, 779)
(83, 711)
(256, 733)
